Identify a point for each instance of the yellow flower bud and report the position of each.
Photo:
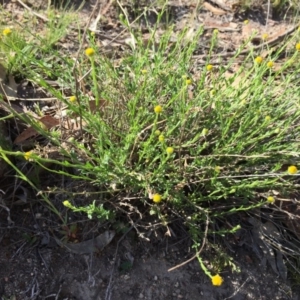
(170, 150)
(158, 109)
(89, 52)
(292, 170)
(156, 198)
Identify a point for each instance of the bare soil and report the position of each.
(132, 269)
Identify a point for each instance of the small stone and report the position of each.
(155, 278)
(176, 284)
(141, 296)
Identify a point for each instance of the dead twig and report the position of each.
(93, 26)
(221, 4)
(198, 252)
(33, 12)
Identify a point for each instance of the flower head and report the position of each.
(156, 198)
(28, 155)
(67, 203)
(292, 170)
(144, 71)
(170, 150)
(161, 138)
(158, 109)
(267, 118)
(188, 81)
(258, 59)
(212, 93)
(73, 99)
(270, 199)
(217, 169)
(6, 31)
(157, 132)
(298, 46)
(89, 52)
(277, 130)
(246, 22)
(204, 131)
(264, 36)
(217, 280)
(209, 67)
(270, 64)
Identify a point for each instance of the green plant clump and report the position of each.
(158, 133)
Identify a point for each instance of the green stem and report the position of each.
(203, 266)
(95, 81)
(23, 177)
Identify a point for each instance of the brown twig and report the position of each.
(33, 12)
(198, 252)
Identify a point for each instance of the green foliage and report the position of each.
(99, 211)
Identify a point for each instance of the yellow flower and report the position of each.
(67, 203)
(204, 131)
(212, 93)
(258, 59)
(158, 109)
(6, 31)
(89, 52)
(217, 280)
(209, 67)
(217, 169)
(28, 155)
(144, 71)
(216, 31)
(157, 132)
(292, 170)
(156, 198)
(188, 81)
(267, 118)
(246, 22)
(73, 99)
(170, 150)
(270, 64)
(270, 199)
(161, 138)
(298, 46)
(265, 36)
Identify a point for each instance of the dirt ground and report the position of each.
(34, 266)
(131, 269)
